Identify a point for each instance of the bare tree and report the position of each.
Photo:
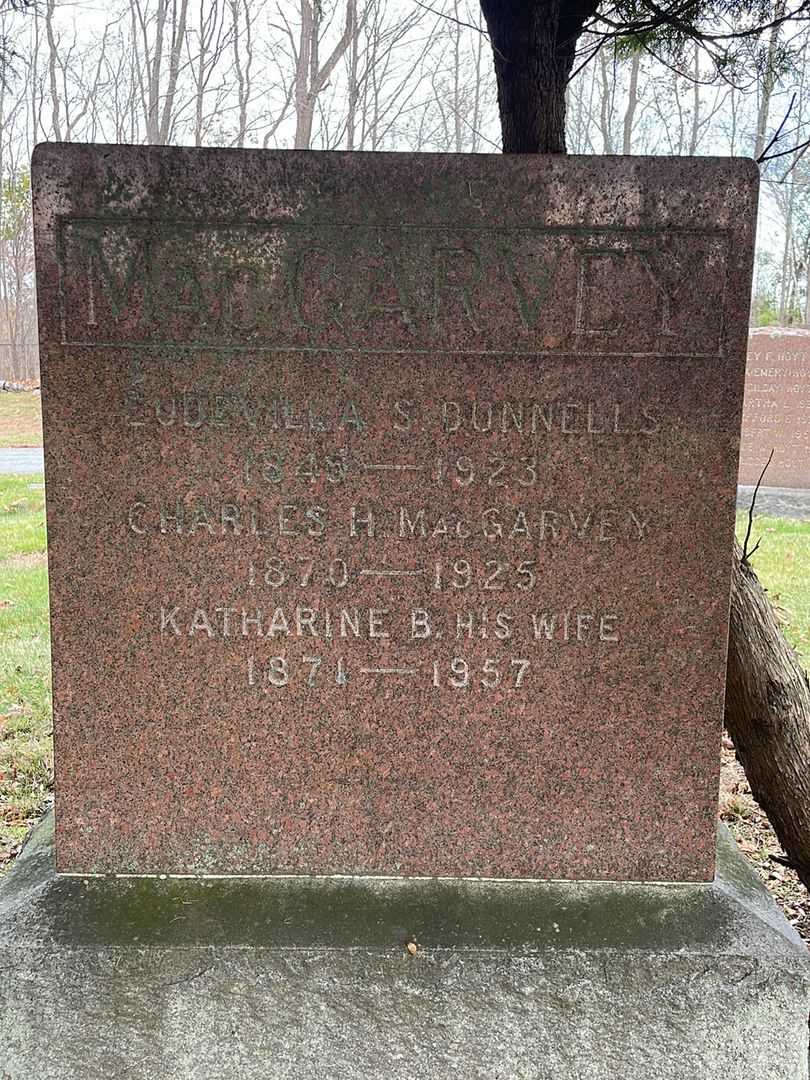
(392, 73)
(311, 74)
(17, 308)
(158, 37)
(242, 18)
(207, 41)
(73, 90)
(8, 51)
(768, 82)
(632, 103)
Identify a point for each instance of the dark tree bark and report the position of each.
(534, 46)
(767, 714)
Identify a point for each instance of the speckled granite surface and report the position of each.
(390, 506)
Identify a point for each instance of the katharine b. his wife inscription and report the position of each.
(390, 508)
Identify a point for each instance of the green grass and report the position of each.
(26, 765)
(22, 516)
(782, 563)
(20, 419)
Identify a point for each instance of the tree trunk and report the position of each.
(52, 55)
(305, 116)
(768, 714)
(178, 40)
(787, 262)
(353, 89)
(534, 48)
(768, 83)
(304, 106)
(458, 134)
(694, 134)
(606, 103)
(632, 104)
(310, 75)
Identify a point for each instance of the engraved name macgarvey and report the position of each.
(390, 288)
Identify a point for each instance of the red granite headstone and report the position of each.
(390, 507)
(776, 410)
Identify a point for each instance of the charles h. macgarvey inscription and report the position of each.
(390, 503)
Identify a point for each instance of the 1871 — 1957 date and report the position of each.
(455, 673)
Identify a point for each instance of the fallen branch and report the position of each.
(768, 714)
(746, 554)
(15, 388)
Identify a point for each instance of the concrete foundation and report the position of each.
(311, 979)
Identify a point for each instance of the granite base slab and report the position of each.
(311, 979)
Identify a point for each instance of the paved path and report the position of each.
(777, 502)
(21, 459)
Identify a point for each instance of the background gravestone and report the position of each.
(776, 414)
(390, 508)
